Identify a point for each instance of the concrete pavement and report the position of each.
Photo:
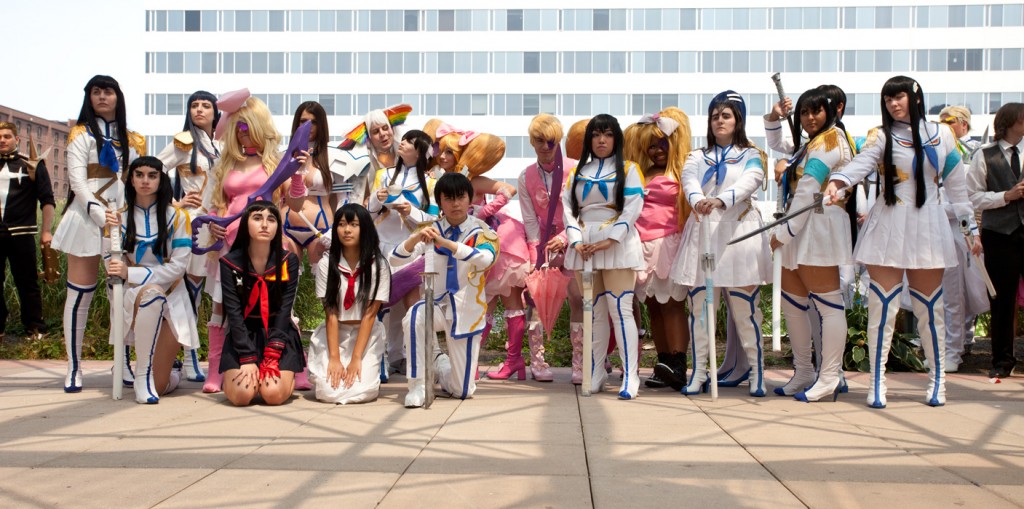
(516, 444)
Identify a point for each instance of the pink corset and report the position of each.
(660, 217)
(238, 187)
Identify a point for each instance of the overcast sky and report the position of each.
(55, 46)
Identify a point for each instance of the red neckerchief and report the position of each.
(259, 295)
(350, 290)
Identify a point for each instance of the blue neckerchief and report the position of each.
(408, 194)
(108, 156)
(588, 182)
(452, 277)
(716, 170)
(140, 250)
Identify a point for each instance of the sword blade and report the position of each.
(773, 224)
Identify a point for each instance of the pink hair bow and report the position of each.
(445, 129)
(666, 124)
(228, 103)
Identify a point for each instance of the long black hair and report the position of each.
(199, 95)
(87, 116)
(369, 256)
(422, 142)
(915, 105)
(321, 139)
(164, 194)
(813, 100)
(601, 123)
(242, 238)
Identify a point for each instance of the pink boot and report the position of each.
(514, 362)
(483, 339)
(302, 378)
(576, 337)
(540, 369)
(213, 376)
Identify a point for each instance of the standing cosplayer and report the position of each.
(540, 200)
(304, 226)
(158, 241)
(813, 245)
(602, 201)
(660, 143)
(258, 278)
(353, 281)
(720, 181)
(463, 248)
(907, 232)
(190, 159)
(24, 182)
(996, 189)
(100, 146)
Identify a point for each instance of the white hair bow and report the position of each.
(666, 124)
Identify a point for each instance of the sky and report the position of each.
(57, 45)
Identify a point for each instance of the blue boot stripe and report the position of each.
(886, 301)
(930, 304)
(469, 366)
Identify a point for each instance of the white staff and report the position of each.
(429, 335)
(117, 306)
(588, 318)
(708, 262)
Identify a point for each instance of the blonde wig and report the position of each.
(479, 155)
(546, 127)
(262, 132)
(679, 147)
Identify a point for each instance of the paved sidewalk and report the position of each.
(516, 444)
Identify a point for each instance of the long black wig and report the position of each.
(602, 123)
(164, 195)
(369, 256)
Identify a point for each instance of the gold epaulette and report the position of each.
(826, 141)
(183, 141)
(137, 142)
(75, 132)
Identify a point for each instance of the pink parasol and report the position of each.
(548, 288)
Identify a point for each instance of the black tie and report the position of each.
(1015, 162)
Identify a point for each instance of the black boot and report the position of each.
(672, 369)
(655, 381)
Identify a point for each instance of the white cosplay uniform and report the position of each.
(815, 239)
(595, 186)
(367, 386)
(97, 187)
(167, 303)
(905, 236)
(350, 169)
(393, 230)
(732, 175)
(177, 159)
(460, 308)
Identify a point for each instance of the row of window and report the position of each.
(445, 105)
(584, 62)
(515, 20)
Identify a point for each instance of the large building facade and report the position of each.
(51, 140)
(492, 69)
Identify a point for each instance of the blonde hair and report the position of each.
(479, 155)
(262, 132)
(959, 112)
(679, 147)
(546, 127)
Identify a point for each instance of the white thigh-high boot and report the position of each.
(193, 372)
(833, 343)
(395, 335)
(413, 332)
(735, 368)
(745, 312)
(816, 325)
(931, 328)
(699, 345)
(599, 352)
(882, 309)
(76, 315)
(456, 368)
(621, 309)
(795, 309)
(147, 332)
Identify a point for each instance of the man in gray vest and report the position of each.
(995, 187)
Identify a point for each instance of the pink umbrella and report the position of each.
(548, 288)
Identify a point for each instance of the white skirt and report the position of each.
(77, 234)
(177, 314)
(824, 241)
(627, 254)
(655, 280)
(906, 237)
(367, 385)
(502, 284)
(742, 264)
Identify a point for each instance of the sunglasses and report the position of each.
(242, 126)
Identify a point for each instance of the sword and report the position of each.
(817, 205)
(588, 319)
(429, 335)
(782, 97)
(978, 264)
(777, 281)
(117, 312)
(708, 264)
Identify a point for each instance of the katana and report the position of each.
(782, 96)
(588, 318)
(117, 311)
(817, 205)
